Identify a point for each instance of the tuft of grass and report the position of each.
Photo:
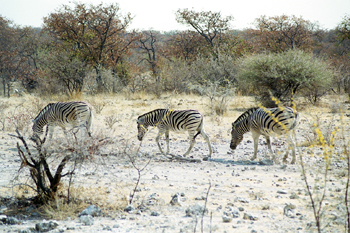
(59, 209)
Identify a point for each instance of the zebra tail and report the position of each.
(200, 129)
(296, 121)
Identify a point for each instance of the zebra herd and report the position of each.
(259, 121)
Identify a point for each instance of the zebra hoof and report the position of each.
(206, 158)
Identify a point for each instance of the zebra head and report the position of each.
(141, 129)
(37, 130)
(236, 137)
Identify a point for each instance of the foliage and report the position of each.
(14, 59)
(80, 39)
(283, 75)
(95, 34)
(39, 168)
(282, 33)
(210, 25)
(343, 29)
(220, 70)
(184, 45)
(176, 76)
(60, 65)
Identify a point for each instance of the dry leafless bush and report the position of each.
(98, 105)
(3, 106)
(35, 105)
(46, 160)
(19, 118)
(110, 120)
(218, 96)
(311, 134)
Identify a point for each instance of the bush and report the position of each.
(284, 74)
(179, 75)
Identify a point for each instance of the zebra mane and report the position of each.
(43, 111)
(148, 113)
(244, 115)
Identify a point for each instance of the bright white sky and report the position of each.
(160, 14)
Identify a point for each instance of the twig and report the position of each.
(139, 170)
(205, 205)
(176, 157)
(313, 204)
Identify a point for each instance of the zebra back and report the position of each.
(152, 118)
(244, 116)
(274, 120)
(175, 120)
(62, 113)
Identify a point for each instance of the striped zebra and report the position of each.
(267, 122)
(173, 120)
(63, 114)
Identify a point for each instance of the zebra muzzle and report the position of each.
(233, 146)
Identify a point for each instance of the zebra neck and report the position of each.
(243, 127)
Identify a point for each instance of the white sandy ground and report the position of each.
(261, 191)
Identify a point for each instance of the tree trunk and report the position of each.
(99, 81)
(4, 86)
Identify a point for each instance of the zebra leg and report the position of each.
(157, 140)
(206, 138)
(291, 144)
(192, 140)
(268, 142)
(88, 124)
(51, 129)
(256, 140)
(167, 141)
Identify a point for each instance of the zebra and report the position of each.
(63, 114)
(267, 122)
(173, 120)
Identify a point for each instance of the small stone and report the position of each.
(289, 210)
(12, 221)
(226, 218)
(175, 200)
(129, 208)
(241, 199)
(3, 218)
(46, 226)
(155, 213)
(87, 220)
(249, 217)
(195, 210)
(294, 196)
(282, 192)
(107, 228)
(91, 210)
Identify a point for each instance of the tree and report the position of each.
(210, 25)
(185, 45)
(94, 33)
(343, 29)
(14, 64)
(60, 64)
(281, 33)
(284, 74)
(147, 45)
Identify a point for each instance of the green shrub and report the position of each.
(284, 74)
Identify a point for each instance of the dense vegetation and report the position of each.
(88, 48)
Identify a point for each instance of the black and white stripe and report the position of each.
(267, 122)
(173, 120)
(63, 114)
